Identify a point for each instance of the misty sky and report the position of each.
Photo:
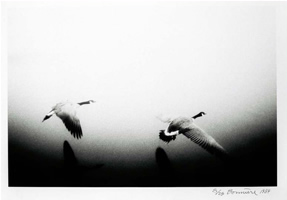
(136, 62)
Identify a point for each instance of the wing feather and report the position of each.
(74, 126)
(198, 136)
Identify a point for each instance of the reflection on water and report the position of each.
(166, 171)
(163, 162)
(73, 171)
(70, 160)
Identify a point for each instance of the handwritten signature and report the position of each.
(244, 191)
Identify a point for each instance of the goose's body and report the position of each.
(67, 112)
(187, 127)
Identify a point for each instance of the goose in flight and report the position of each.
(186, 126)
(67, 112)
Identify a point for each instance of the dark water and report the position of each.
(253, 165)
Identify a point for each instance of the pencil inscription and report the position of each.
(243, 191)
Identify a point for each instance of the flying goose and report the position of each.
(186, 126)
(67, 112)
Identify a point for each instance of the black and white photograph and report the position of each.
(143, 95)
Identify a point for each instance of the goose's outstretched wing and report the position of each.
(72, 123)
(198, 136)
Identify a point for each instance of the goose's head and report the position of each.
(86, 102)
(202, 113)
(91, 101)
(199, 115)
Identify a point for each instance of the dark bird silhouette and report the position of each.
(67, 112)
(186, 126)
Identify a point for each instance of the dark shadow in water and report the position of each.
(70, 160)
(73, 172)
(70, 174)
(167, 173)
(163, 161)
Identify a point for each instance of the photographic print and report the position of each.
(157, 94)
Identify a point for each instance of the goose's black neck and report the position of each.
(84, 102)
